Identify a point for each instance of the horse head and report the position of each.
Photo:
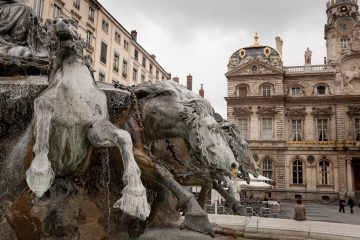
(63, 37)
(206, 139)
(240, 148)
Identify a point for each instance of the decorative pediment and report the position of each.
(266, 111)
(353, 110)
(298, 112)
(322, 111)
(254, 67)
(242, 111)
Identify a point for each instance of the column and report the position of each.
(349, 175)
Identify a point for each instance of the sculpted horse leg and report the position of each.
(133, 200)
(229, 196)
(196, 218)
(40, 175)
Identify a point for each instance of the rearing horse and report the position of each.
(70, 115)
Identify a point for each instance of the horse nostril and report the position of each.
(233, 165)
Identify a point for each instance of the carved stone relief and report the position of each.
(322, 111)
(266, 110)
(242, 111)
(300, 112)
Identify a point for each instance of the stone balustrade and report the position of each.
(321, 143)
(302, 69)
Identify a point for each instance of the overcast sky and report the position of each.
(197, 37)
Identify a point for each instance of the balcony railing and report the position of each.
(322, 144)
(301, 69)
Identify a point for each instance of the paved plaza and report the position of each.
(323, 212)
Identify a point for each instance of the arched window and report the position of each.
(321, 90)
(296, 91)
(267, 170)
(266, 90)
(324, 167)
(297, 172)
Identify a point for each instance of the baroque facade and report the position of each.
(115, 52)
(303, 122)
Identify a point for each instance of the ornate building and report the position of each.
(115, 52)
(303, 122)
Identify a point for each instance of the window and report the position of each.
(142, 78)
(297, 172)
(324, 167)
(296, 130)
(126, 45)
(76, 4)
(267, 133)
(103, 52)
(242, 91)
(124, 69)
(266, 90)
(38, 7)
(144, 62)
(344, 42)
(135, 74)
(105, 25)
(295, 91)
(116, 62)
(91, 14)
(151, 68)
(357, 129)
(89, 37)
(57, 11)
(117, 37)
(136, 55)
(157, 74)
(322, 130)
(267, 168)
(101, 77)
(321, 90)
(243, 127)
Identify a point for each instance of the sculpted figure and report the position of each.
(351, 75)
(69, 116)
(19, 28)
(175, 120)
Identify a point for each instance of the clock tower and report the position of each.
(342, 30)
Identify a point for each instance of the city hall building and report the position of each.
(303, 122)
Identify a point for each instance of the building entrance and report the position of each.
(356, 171)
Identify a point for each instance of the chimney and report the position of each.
(201, 91)
(176, 79)
(189, 82)
(134, 35)
(153, 56)
(279, 44)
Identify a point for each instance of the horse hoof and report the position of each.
(198, 223)
(40, 176)
(134, 205)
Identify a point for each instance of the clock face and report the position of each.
(344, 27)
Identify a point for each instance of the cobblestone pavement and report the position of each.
(323, 212)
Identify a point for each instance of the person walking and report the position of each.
(351, 204)
(300, 213)
(342, 205)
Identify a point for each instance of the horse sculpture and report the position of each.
(174, 119)
(70, 116)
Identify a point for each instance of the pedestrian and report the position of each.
(300, 213)
(342, 205)
(351, 204)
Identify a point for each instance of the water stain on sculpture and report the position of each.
(69, 116)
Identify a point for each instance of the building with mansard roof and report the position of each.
(303, 122)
